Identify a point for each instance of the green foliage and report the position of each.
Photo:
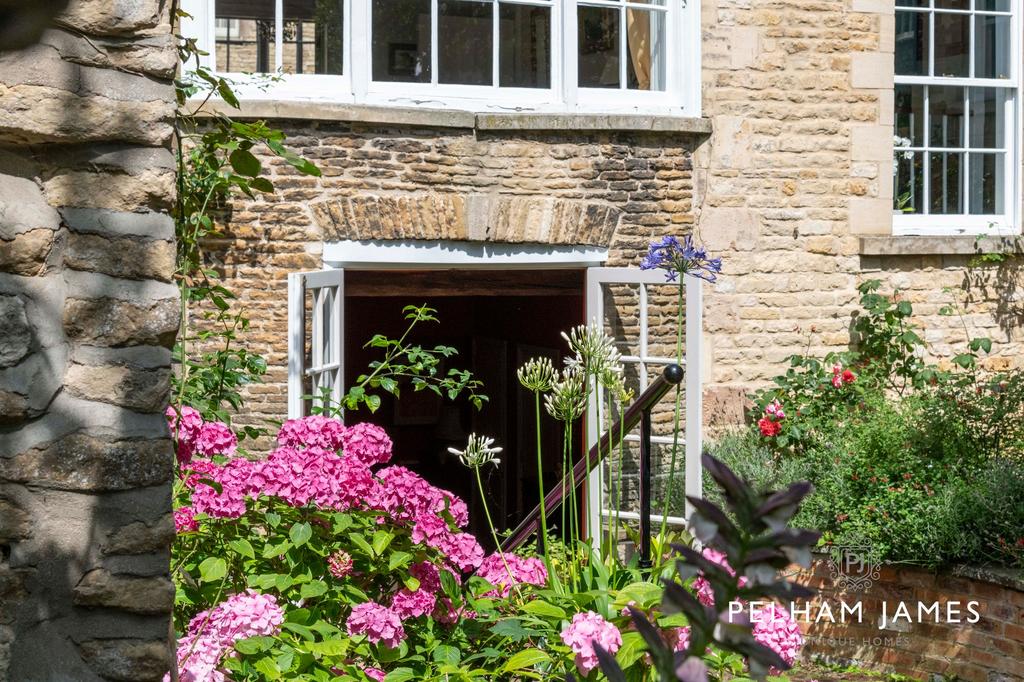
(757, 539)
(405, 364)
(217, 160)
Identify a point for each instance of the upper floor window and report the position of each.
(542, 55)
(957, 162)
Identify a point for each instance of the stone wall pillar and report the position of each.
(88, 314)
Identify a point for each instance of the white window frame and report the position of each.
(1008, 222)
(691, 438)
(681, 97)
(326, 367)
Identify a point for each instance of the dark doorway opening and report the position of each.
(497, 320)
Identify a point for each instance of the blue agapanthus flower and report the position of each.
(681, 258)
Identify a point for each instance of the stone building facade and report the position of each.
(88, 314)
(788, 175)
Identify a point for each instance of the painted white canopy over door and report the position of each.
(637, 308)
(316, 347)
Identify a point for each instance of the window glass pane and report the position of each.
(401, 40)
(465, 47)
(946, 116)
(993, 5)
(987, 184)
(908, 170)
(988, 118)
(524, 53)
(952, 45)
(313, 35)
(946, 182)
(910, 115)
(953, 4)
(991, 46)
(645, 50)
(911, 3)
(912, 43)
(598, 36)
(245, 36)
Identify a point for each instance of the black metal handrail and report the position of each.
(637, 413)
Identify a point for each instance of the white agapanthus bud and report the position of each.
(538, 374)
(479, 451)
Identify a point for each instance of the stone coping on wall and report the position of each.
(959, 245)
(458, 118)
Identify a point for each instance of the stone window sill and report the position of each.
(454, 118)
(961, 245)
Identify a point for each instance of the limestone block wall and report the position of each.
(88, 314)
(797, 171)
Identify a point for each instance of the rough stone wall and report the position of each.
(798, 168)
(87, 316)
(414, 183)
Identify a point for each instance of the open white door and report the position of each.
(637, 308)
(316, 349)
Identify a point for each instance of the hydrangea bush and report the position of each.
(323, 561)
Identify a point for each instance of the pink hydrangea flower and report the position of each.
(339, 564)
(315, 431)
(413, 603)
(406, 496)
(185, 520)
(379, 623)
(185, 429)
(776, 629)
(375, 674)
(428, 574)
(704, 592)
(368, 443)
(213, 633)
(215, 438)
(529, 570)
(583, 632)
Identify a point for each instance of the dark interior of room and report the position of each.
(497, 320)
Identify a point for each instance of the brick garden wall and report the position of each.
(87, 317)
(990, 650)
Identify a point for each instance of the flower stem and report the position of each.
(676, 418)
(490, 524)
(540, 486)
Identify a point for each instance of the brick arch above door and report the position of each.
(467, 217)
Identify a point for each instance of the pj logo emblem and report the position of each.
(853, 567)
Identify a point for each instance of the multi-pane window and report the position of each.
(956, 163)
(622, 44)
(268, 36)
(540, 55)
(462, 42)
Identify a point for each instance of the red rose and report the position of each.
(848, 377)
(769, 429)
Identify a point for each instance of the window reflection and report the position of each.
(524, 53)
(312, 36)
(465, 35)
(244, 33)
(401, 40)
(598, 35)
